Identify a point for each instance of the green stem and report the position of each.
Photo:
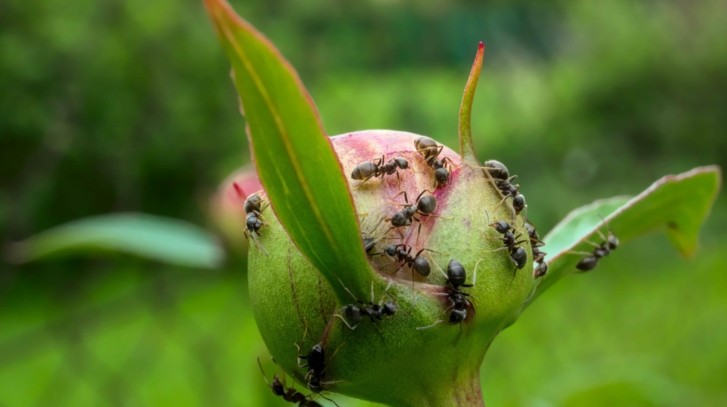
(466, 146)
(464, 391)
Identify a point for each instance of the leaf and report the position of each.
(162, 239)
(466, 146)
(295, 160)
(676, 204)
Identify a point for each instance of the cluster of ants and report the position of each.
(425, 205)
(460, 303)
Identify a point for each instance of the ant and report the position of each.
(460, 301)
(497, 170)
(254, 205)
(253, 223)
(503, 181)
(402, 253)
(425, 205)
(456, 278)
(509, 190)
(538, 255)
(374, 311)
(518, 255)
(316, 365)
(290, 394)
(540, 270)
(609, 244)
(430, 150)
(427, 147)
(441, 170)
(377, 168)
(369, 238)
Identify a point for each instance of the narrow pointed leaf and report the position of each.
(295, 160)
(466, 145)
(167, 240)
(675, 204)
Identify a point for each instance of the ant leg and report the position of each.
(390, 283)
(421, 193)
(579, 253)
(419, 230)
(345, 322)
(372, 291)
(447, 162)
(437, 322)
(441, 270)
(497, 250)
(331, 400)
(512, 211)
(297, 346)
(474, 274)
(250, 236)
(405, 198)
(333, 355)
(347, 290)
(262, 371)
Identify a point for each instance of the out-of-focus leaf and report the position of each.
(675, 204)
(295, 160)
(162, 239)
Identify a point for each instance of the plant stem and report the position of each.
(463, 392)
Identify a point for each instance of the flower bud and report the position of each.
(445, 278)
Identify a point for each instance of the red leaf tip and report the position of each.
(238, 189)
(480, 46)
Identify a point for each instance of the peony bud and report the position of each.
(430, 350)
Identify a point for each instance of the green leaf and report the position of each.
(676, 204)
(162, 239)
(466, 146)
(295, 160)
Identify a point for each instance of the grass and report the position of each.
(645, 328)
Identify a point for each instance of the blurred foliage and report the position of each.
(127, 106)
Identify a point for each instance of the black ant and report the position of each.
(315, 365)
(518, 255)
(254, 205)
(497, 170)
(402, 253)
(459, 301)
(377, 168)
(430, 150)
(375, 312)
(509, 190)
(609, 244)
(503, 181)
(540, 270)
(368, 237)
(425, 205)
(290, 394)
(427, 147)
(441, 170)
(315, 362)
(538, 255)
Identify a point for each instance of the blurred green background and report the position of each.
(127, 106)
